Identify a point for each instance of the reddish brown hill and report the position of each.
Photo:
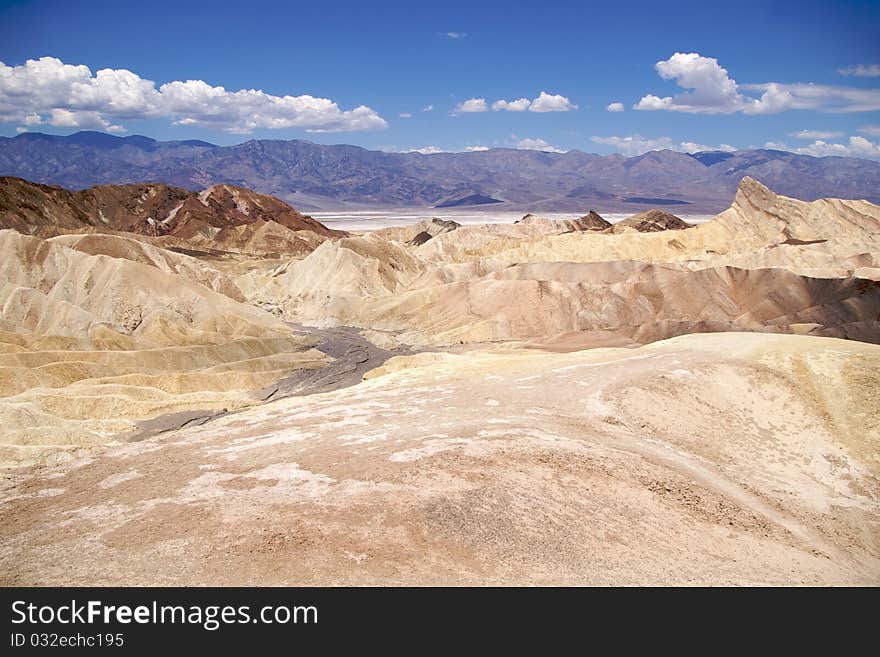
(146, 209)
(652, 221)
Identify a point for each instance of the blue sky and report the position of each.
(760, 72)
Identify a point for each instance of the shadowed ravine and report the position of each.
(352, 354)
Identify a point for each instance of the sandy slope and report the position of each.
(729, 458)
(117, 246)
(109, 331)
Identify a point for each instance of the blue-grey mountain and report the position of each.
(314, 176)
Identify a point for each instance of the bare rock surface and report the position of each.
(91, 344)
(769, 263)
(706, 459)
(237, 398)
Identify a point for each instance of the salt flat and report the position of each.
(354, 220)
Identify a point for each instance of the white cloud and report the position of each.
(428, 108)
(455, 35)
(551, 103)
(243, 111)
(63, 118)
(696, 147)
(543, 103)
(861, 70)
(426, 150)
(65, 95)
(711, 90)
(815, 134)
(854, 147)
(615, 107)
(431, 150)
(778, 97)
(631, 145)
(778, 146)
(634, 144)
(520, 105)
(537, 145)
(405, 115)
(871, 130)
(471, 105)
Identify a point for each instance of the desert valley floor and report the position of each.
(552, 401)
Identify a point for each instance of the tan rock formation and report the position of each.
(117, 246)
(758, 222)
(419, 232)
(90, 344)
(528, 438)
(767, 264)
(590, 221)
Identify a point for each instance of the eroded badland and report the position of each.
(546, 402)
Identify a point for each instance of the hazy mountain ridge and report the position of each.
(318, 176)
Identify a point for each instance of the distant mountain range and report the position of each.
(313, 176)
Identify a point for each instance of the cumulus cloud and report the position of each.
(861, 70)
(537, 145)
(855, 146)
(711, 90)
(778, 97)
(543, 103)
(551, 103)
(815, 134)
(405, 115)
(426, 150)
(431, 150)
(520, 105)
(778, 146)
(631, 145)
(471, 106)
(614, 107)
(66, 95)
(634, 144)
(696, 147)
(84, 120)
